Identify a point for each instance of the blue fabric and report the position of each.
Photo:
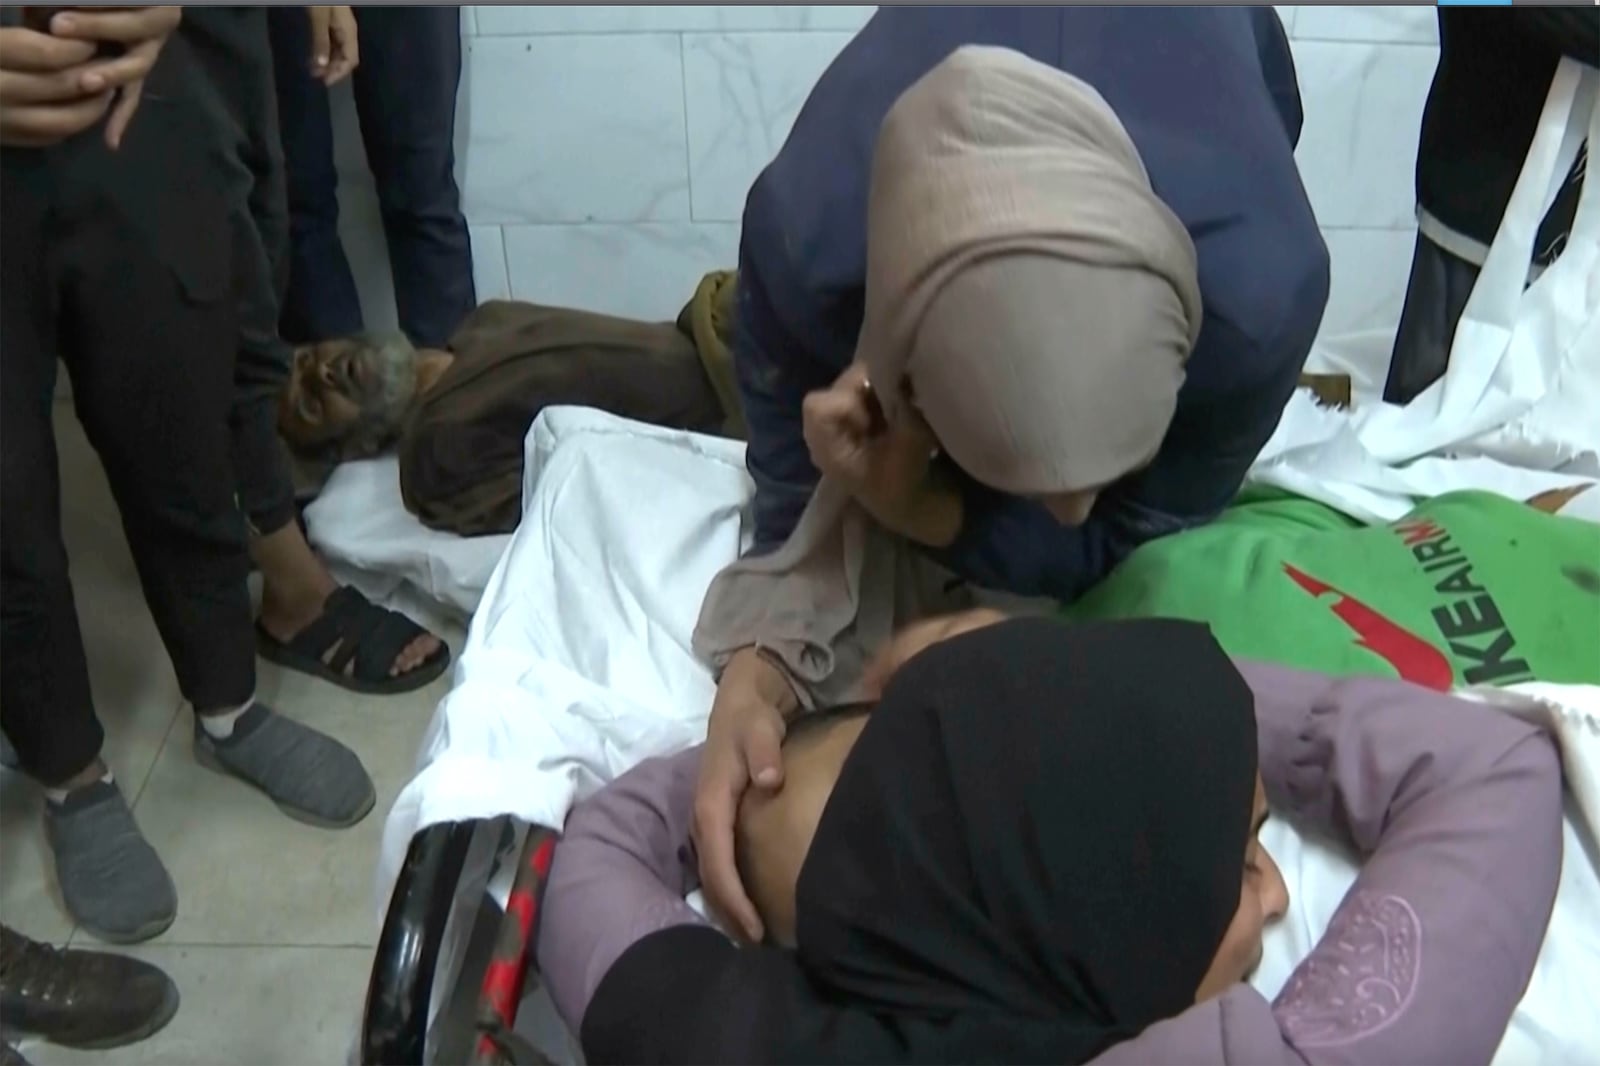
(1210, 99)
(405, 94)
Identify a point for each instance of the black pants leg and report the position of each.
(135, 295)
(405, 93)
(45, 704)
(1435, 297)
(321, 300)
(252, 172)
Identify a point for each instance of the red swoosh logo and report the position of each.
(1413, 658)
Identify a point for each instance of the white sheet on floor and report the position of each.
(578, 665)
(361, 526)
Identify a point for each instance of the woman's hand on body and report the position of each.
(742, 750)
(918, 637)
(887, 468)
(140, 32)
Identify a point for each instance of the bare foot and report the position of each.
(295, 588)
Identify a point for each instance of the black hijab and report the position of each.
(1035, 848)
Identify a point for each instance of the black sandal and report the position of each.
(357, 630)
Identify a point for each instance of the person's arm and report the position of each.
(636, 973)
(620, 873)
(1456, 811)
(774, 372)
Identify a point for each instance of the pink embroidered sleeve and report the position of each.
(1456, 810)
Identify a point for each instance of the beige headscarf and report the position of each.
(1028, 291)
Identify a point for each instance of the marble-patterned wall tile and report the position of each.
(1370, 268)
(576, 129)
(743, 91)
(601, 18)
(1363, 107)
(1406, 24)
(489, 274)
(642, 270)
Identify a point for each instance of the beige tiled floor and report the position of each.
(275, 924)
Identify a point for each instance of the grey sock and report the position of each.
(311, 777)
(111, 878)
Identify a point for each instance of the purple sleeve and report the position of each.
(1456, 809)
(620, 873)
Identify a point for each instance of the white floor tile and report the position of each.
(246, 873)
(251, 1006)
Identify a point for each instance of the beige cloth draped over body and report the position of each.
(1028, 291)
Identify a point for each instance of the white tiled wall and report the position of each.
(605, 151)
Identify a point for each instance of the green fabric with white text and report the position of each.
(1470, 588)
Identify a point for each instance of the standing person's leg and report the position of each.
(321, 300)
(406, 96)
(148, 326)
(1436, 295)
(112, 881)
(296, 586)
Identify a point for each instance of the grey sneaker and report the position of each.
(81, 999)
(311, 777)
(112, 880)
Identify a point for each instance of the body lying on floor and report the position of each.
(457, 416)
(1074, 874)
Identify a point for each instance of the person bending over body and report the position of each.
(1041, 847)
(1080, 265)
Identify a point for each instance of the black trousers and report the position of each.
(405, 93)
(1435, 297)
(233, 52)
(120, 265)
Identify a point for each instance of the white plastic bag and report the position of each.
(1518, 409)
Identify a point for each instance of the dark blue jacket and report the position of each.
(1209, 97)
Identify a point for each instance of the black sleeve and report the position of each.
(648, 1006)
(1572, 31)
(688, 995)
